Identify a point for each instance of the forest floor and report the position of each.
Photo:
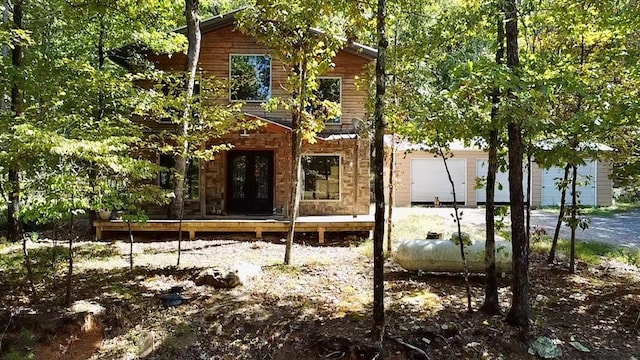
(317, 308)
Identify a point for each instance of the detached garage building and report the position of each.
(421, 178)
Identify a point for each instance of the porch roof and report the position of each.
(283, 125)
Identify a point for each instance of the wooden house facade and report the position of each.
(253, 178)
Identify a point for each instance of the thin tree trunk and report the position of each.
(378, 233)
(67, 298)
(27, 265)
(519, 312)
(14, 230)
(98, 118)
(528, 202)
(392, 156)
(574, 220)
(459, 226)
(296, 160)
(491, 303)
(181, 217)
(563, 194)
(54, 256)
(193, 54)
(392, 166)
(131, 246)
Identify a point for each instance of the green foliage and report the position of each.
(592, 252)
(290, 30)
(75, 144)
(19, 355)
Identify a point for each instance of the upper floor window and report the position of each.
(172, 89)
(330, 89)
(250, 77)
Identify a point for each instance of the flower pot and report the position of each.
(104, 214)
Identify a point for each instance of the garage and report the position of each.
(502, 178)
(586, 185)
(429, 180)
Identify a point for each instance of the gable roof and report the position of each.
(220, 21)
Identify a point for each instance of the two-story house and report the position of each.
(253, 178)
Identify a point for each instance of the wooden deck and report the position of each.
(319, 224)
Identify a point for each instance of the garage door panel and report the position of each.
(429, 180)
(551, 195)
(502, 178)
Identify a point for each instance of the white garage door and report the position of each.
(502, 178)
(429, 180)
(586, 181)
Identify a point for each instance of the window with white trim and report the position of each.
(321, 177)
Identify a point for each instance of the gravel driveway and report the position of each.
(619, 229)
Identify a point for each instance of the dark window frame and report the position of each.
(257, 99)
(314, 191)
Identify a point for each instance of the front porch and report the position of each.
(319, 224)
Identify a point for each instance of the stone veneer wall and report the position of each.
(213, 174)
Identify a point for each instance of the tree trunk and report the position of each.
(99, 115)
(574, 218)
(67, 298)
(130, 245)
(459, 226)
(14, 227)
(563, 195)
(528, 202)
(491, 303)
(193, 54)
(27, 265)
(519, 312)
(296, 160)
(392, 166)
(378, 233)
(54, 256)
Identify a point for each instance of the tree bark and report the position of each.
(98, 118)
(528, 201)
(193, 54)
(27, 265)
(491, 303)
(519, 312)
(459, 226)
(392, 166)
(556, 233)
(14, 226)
(67, 297)
(296, 160)
(130, 245)
(378, 233)
(574, 220)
